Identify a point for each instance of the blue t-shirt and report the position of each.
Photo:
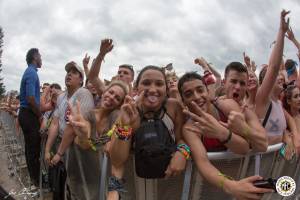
(30, 86)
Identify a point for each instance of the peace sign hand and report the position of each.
(79, 124)
(206, 123)
(129, 114)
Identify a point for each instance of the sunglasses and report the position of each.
(289, 84)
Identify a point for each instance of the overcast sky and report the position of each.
(144, 32)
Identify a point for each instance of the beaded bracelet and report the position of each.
(111, 131)
(185, 150)
(85, 142)
(224, 177)
(123, 132)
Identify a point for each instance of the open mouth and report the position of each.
(235, 95)
(152, 98)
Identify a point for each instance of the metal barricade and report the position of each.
(14, 146)
(189, 186)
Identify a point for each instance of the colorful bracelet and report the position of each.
(224, 177)
(111, 131)
(90, 142)
(185, 150)
(123, 132)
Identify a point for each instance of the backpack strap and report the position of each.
(267, 115)
(168, 122)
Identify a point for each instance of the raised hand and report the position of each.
(206, 123)
(289, 34)
(247, 59)
(86, 60)
(106, 46)
(284, 24)
(253, 66)
(129, 113)
(202, 62)
(79, 124)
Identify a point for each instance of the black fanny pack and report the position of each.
(154, 147)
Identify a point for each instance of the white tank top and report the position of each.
(276, 123)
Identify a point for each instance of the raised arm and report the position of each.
(290, 35)
(209, 79)
(85, 63)
(265, 90)
(105, 47)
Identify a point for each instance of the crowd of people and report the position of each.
(162, 119)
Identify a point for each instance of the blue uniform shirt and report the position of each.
(30, 86)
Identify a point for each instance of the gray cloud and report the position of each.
(144, 32)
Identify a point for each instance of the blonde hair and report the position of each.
(171, 75)
(119, 83)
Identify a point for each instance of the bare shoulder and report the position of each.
(250, 114)
(228, 105)
(173, 105)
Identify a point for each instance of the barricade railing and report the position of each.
(190, 185)
(14, 146)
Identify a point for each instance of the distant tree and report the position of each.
(2, 86)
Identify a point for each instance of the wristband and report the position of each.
(224, 177)
(123, 132)
(185, 150)
(246, 133)
(228, 138)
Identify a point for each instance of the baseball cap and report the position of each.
(73, 64)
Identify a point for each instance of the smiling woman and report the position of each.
(153, 123)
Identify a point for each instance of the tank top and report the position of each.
(276, 123)
(213, 144)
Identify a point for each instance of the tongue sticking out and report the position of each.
(152, 99)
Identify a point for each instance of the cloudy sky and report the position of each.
(144, 32)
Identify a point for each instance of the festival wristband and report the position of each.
(123, 132)
(247, 132)
(185, 150)
(223, 178)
